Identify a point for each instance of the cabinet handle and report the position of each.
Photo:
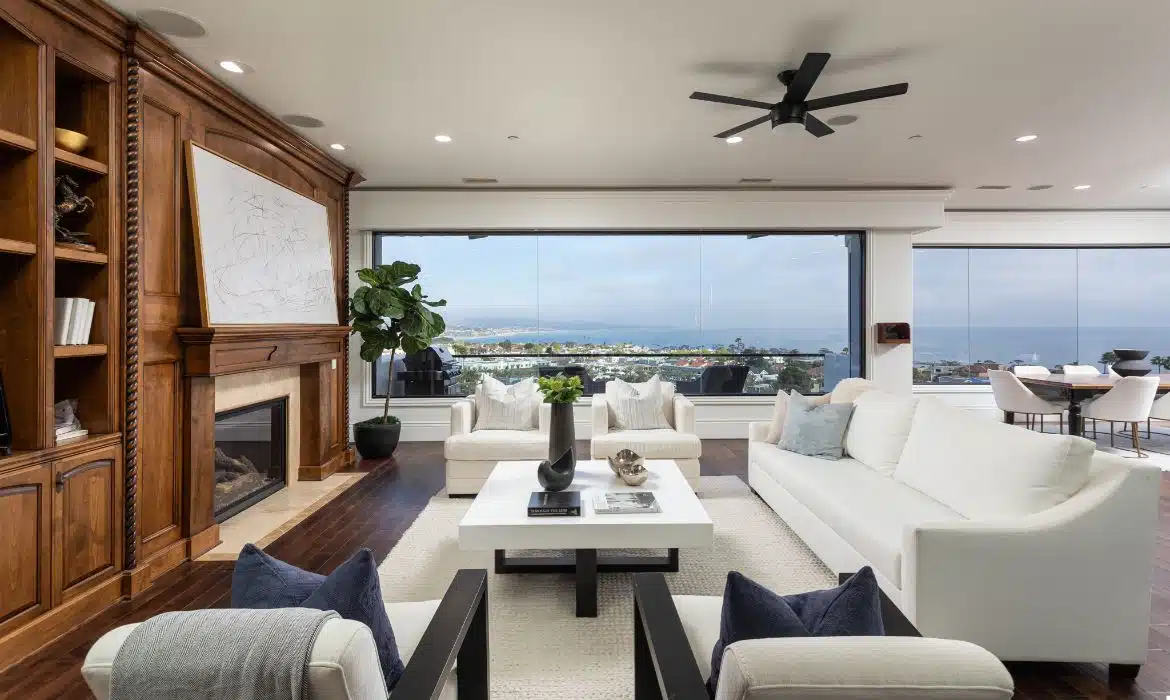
(59, 482)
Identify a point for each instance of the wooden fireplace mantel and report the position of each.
(318, 352)
(210, 352)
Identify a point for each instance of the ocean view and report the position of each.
(1042, 346)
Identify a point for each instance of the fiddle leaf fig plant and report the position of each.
(388, 316)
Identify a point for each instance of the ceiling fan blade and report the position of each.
(743, 127)
(848, 98)
(816, 127)
(810, 69)
(708, 97)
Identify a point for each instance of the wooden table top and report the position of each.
(1090, 382)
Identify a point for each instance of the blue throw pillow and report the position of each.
(261, 581)
(353, 591)
(815, 430)
(751, 611)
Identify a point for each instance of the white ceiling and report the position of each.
(597, 91)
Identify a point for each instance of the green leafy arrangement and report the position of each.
(561, 389)
(389, 316)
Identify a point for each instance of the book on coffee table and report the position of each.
(625, 503)
(553, 503)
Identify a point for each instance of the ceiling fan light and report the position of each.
(734, 139)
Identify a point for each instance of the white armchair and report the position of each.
(472, 454)
(678, 443)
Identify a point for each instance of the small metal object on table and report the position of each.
(498, 520)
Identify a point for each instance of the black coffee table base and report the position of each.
(586, 565)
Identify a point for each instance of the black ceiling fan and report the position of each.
(794, 108)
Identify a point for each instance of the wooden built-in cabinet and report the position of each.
(86, 524)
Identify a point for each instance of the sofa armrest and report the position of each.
(861, 668)
(664, 666)
(1092, 554)
(684, 414)
(462, 416)
(457, 632)
(758, 430)
(544, 417)
(599, 414)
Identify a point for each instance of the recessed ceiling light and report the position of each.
(1036, 188)
(914, 137)
(1025, 138)
(994, 187)
(734, 139)
(513, 138)
(235, 67)
(172, 23)
(337, 146)
(1082, 187)
(480, 180)
(841, 120)
(1150, 187)
(303, 120)
(442, 138)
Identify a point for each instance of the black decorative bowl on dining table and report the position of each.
(1132, 363)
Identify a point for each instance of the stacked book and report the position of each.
(67, 425)
(72, 320)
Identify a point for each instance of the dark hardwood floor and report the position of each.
(378, 510)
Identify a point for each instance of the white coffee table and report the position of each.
(498, 520)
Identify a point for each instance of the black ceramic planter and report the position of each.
(375, 440)
(1132, 363)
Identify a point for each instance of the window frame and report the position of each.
(856, 271)
(985, 388)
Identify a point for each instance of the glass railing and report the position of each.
(693, 373)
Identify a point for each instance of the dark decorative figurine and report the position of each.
(69, 202)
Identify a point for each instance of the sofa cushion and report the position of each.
(868, 510)
(700, 615)
(779, 413)
(652, 444)
(483, 445)
(985, 469)
(848, 389)
(751, 611)
(878, 429)
(815, 430)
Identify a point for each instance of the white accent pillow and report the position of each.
(848, 389)
(612, 387)
(499, 406)
(985, 469)
(779, 413)
(879, 428)
(636, 406)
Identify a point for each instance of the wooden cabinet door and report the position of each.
(86, 521)
(24, 545)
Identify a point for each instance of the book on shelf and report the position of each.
(625, 503)
(71, 436)
(72, 320)
(553, 503)
(87, 247)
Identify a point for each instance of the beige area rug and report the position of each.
(539, 648)
(264, 522)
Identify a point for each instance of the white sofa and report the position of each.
(472, 454)
(1053, 563)
(678, 443)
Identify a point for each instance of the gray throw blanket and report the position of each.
(221, 654)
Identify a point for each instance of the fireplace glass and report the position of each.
(250, 455)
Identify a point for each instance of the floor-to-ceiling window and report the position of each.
(716, 313)
(984, 308)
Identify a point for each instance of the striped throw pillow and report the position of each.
(637, 407)
(502, 407)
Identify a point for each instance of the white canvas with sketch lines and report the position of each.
(264, 249)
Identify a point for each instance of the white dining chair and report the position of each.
(1080, 371)
(1159, 411)
(1030, 371)
(1129, 401)
(1011, 396)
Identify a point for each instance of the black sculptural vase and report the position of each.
(1132, 363)
(556, 472)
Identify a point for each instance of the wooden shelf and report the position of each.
(20, 458)
(14, 140)
(66, 158)
(81, 256)
(62, 351)
(7, 245)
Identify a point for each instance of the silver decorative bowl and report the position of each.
(634, 474)
(624, 458)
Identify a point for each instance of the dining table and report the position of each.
(1076, 388)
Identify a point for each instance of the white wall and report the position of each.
(889, 217)
(1037, 228)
